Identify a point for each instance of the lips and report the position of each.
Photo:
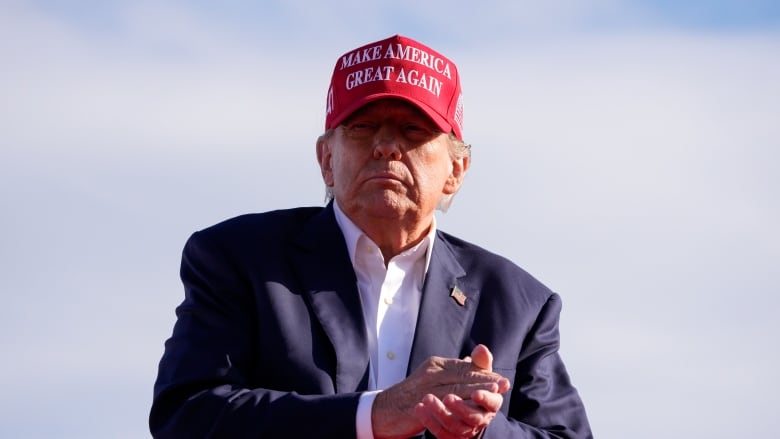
(386, 177)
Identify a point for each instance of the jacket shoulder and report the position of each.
(271, 223)
(250, 241)
(493, 268)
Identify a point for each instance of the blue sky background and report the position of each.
(625, 152)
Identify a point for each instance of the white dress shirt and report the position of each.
(390, 296)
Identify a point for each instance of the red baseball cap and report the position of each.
(397, 67)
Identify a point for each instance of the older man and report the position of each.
(361, 319)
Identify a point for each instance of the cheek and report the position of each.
(432, 177)
(437, 168)
(343, 170)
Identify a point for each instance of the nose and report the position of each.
(387, 143)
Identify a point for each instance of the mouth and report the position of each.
(385, 175)
(385, 178)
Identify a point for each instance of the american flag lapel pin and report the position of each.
(458, 295)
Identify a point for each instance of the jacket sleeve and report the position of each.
(542, 403)
(207, 383)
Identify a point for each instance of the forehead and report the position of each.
(389, 107)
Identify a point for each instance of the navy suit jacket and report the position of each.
(270, 340)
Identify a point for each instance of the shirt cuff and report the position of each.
(365, 430)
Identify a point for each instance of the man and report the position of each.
(361, 319)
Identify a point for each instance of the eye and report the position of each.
(359, 128)
(417, 131)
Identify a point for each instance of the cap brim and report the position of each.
(439, 121)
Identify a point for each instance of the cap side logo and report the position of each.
(458, 116)
(329, 102)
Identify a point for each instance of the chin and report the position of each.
(388, 204)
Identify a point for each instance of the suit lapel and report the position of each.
(329, 282)
(442, 322)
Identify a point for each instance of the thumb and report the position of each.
(482, 358)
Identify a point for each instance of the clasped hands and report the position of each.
(451, 398)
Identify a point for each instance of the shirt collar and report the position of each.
(352, 234)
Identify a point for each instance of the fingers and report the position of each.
(453, 417)
(488, 401)
(456, 396)
(453, 420)
(474, 372)
(466, 390)
(482, 357)
(464, 387)
(451, 374)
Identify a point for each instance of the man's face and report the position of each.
(389, 160)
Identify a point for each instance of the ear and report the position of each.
(455, 179)
(324, 158)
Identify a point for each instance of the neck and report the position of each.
(393, 235)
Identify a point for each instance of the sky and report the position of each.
(626, 153)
